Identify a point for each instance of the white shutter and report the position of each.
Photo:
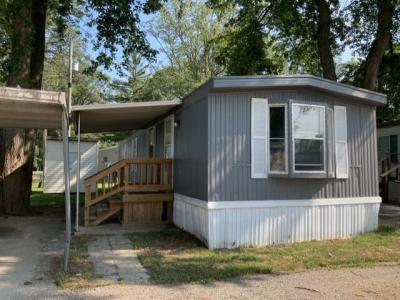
(341, 155)
(259, 138)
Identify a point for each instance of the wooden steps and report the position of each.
(141, 188)
(115, 203)
(103, 215)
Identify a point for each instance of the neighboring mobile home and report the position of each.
(265, 160)
(388, 157)
(54, 164)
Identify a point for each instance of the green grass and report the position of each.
(40, 199)
(173, 256)
(80, 269)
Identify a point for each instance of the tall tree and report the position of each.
(324, 39)
(187, 33)
(131, 89)
(308, 29)
(24, 24)
(26, 30)
(246, 48)
(374, 23)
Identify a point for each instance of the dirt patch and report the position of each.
(349, 283)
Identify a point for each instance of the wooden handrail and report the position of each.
(387, 173)
(105, 171)
(148, 161)
(124, 162)
(140, 176)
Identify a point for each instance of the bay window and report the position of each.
(315, 151)
(308, 125)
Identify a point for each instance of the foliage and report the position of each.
(87, 87)
(287, 28)
(131, 89)
(40, 199)
(389, 79)
(187, 33)
(245, 47)
(116, 25)
(107, 139)
(362, 22)
(172, 256)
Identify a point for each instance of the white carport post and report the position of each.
(78, 174)
(65, 125)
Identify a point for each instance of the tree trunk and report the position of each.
(324, 40)
(386, 10)
(28, 20)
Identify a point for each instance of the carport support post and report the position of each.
(78, 174)
(67, 188)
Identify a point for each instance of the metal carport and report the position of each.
(24, 108)
(115, 117)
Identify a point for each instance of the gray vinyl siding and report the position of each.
(125, 147)
(190, 148)
(229, 174)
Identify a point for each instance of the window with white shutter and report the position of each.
(259, 138)
(341, 155)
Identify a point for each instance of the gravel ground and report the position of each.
(26, 245)
(372, 283)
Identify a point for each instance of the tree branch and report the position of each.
(324, 40)
(386, 10)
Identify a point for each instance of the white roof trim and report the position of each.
(111, 106)
(240, 82)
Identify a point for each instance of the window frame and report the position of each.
(324, 171)
(149, 130)
(286, 139)
(169, 118)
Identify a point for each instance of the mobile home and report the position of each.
(263, 160)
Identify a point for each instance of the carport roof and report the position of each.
(121, 116)
(23, 108)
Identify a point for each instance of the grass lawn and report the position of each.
(39, 199)
(80, 270)
(172, 256)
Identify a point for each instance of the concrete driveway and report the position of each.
(26, 249)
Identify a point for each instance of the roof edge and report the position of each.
(254, 82)
(127, 105)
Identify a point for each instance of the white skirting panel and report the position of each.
(231, 224)
(190, 214)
